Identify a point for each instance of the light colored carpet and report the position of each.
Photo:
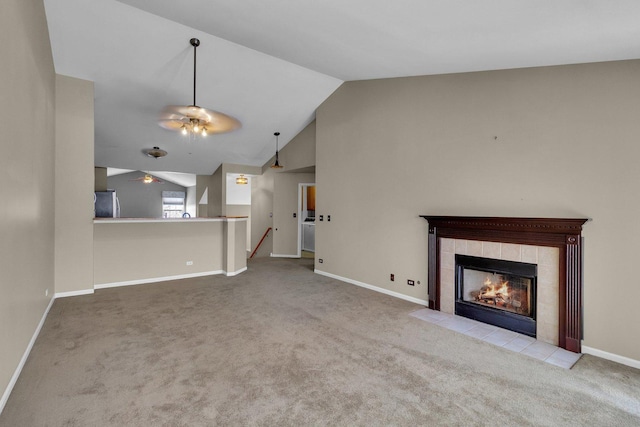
(279, 345)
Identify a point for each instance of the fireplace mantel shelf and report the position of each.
(563, 233)
(558, 226)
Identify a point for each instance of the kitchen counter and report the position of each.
(172, 220)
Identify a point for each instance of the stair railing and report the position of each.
(264, 236)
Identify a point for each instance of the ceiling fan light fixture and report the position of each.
(192, 120)
(276, 164)
(242, 180)
(147, 178)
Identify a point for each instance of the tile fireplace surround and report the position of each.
(553, 244)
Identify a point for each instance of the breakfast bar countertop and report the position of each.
(156, 220)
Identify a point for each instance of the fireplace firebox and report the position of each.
(497, 292)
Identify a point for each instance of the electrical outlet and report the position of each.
(392, 277)
(46, 292)
(411, 282)
(189, 262)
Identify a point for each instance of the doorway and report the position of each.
(306, 219)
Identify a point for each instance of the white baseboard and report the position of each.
(374, 288)
(235, 273)
(73, 293)
(16, 373)
(284, 256)
(611, 356)
(156, 279)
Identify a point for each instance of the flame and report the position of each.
(493, 290)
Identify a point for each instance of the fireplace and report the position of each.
(497, 292)
(553, 243)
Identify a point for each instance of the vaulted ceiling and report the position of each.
(272, 63)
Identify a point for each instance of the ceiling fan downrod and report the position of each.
(195, 43)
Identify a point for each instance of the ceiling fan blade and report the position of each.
(220, 122)
(173, 117)
(172, 124)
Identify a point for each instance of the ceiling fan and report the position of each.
(195, 120)
(147, 179)
(155, 152)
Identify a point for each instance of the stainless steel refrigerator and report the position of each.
(106, 204)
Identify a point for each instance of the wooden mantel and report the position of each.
(562, 233)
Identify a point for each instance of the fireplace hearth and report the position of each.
(498, 292)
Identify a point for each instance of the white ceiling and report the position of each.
(272, 63)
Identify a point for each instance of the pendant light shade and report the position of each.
(242, 180)
(276, 164)
(195, 120)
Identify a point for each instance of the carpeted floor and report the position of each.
(279, 345)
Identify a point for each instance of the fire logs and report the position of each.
(502, 296)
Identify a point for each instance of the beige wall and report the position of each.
(242, 210)
(74, 184)
(235, 253)
(202, 185)
(127, 252)
(27, 85)
(262, 211)
(550, 142)
(300, 152)
(100, 178)
(216, 188)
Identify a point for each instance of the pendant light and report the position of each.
(277, 164)
(242, 180)
(193, 120)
